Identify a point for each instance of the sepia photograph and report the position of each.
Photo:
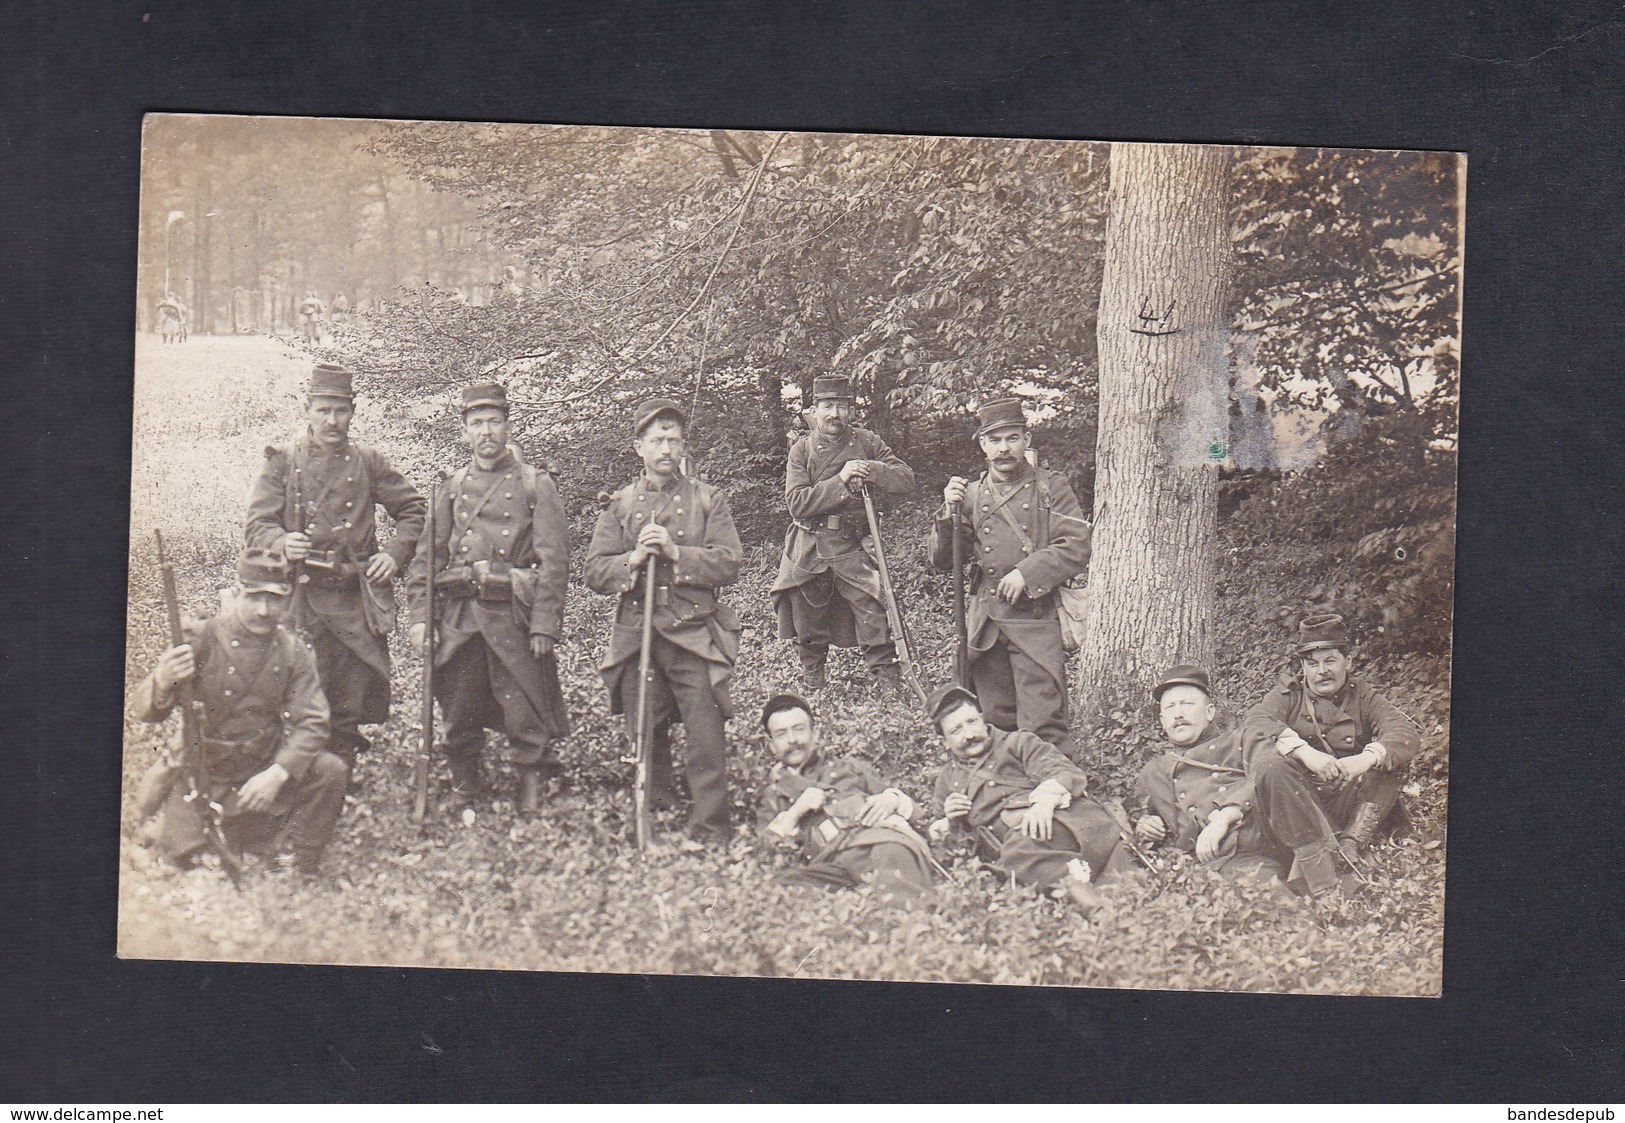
(789, 554)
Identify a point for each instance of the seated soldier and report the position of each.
(1197, 797)
(1023, 803)
(1326, 755)
(264, 726)
(848, 821)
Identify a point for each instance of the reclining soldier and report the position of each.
(1197, 797)
(839, 813)
(1022, 802)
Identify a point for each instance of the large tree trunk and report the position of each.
(1164, 377)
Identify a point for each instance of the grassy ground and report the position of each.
(566, 891)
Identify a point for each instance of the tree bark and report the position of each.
(1164, 392)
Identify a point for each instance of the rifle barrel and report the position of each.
(640, 785)
(420, 767)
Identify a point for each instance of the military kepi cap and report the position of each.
(329, 380)
(648, 410)
(1183, 674)
(485, 394)
(264, 571)
(784, 700)
(946, 697)
(999, 415)
(832, 386)
(1324, 630)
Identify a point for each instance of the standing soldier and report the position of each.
(828, 587)
(501, 561)
(314, 502)
(340, 308)
(686, 527)
(1023, 535)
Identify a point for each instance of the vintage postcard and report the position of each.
(717, 552)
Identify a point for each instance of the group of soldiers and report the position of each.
(1294, 793)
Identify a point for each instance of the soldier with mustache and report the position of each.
(1023, 804)
(828, 586)
(1196, 797)
(315, 502)
(685, 526)
(1327, 755)
(500, 562)
(1023, 535)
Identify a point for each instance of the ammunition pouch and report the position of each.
(844, 523)
(233, 761)
(455, 581)
(324, 570)
(632, 606)
(493, 581)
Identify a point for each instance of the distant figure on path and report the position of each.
(311, 311)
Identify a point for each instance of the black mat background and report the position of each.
(1533, 977)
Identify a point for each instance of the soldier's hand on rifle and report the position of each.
(381, 568)
(654, 538)
(880, 806)
(856, 470)
(414, 634)
(541, 646)
(1013, 585)
(296, 545)
(954, 494)
(260, 790)
(956, 806)
(174, 666)
(1151, 828)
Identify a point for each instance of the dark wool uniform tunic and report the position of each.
(347, 624)
(1185, 786)
(828, 585)
(1297, 808)
(1000, 784)
(1017, 658)
(507, 516)
(833, 841)
(696, 637)
(262, 704)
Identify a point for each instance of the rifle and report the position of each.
(420, 767)
(640, 783)
(961, 629)
(299, 610)
(195, 760)
(894, 617)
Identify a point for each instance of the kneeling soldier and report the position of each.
(1327, 755)
(1022, 801)
(500, 560)
(844, 818)
(264, 726)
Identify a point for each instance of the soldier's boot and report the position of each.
(530, 790)
(890, 680)
(1356, 838)
(467, 782)
(1078, 886)
(1316, 865)
(815, 675)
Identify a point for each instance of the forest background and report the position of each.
(588, 268)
